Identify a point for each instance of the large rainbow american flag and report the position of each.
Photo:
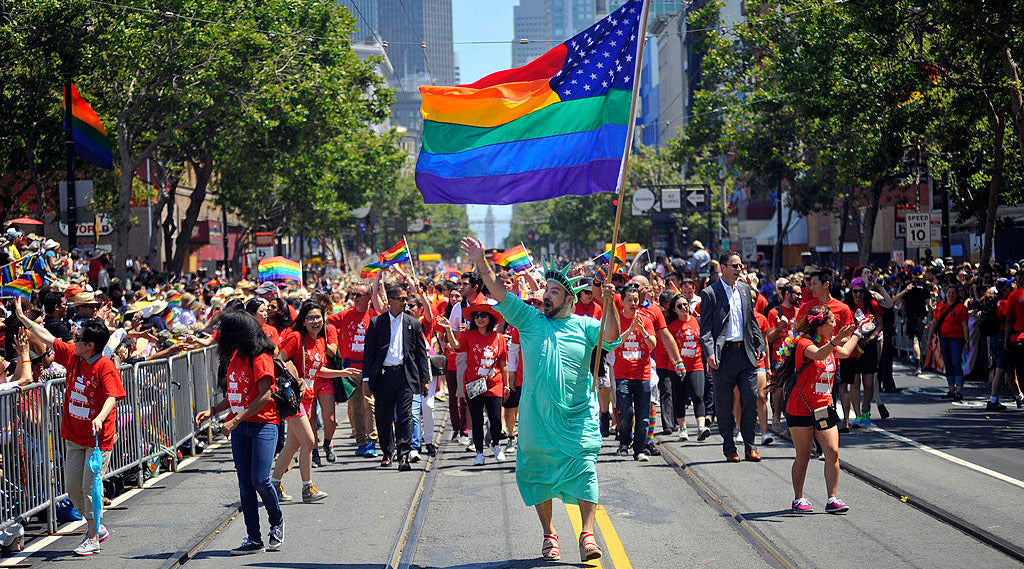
(556, 126)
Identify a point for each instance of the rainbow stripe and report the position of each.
(556, 126)
(279, 269)
(515, 259)
(21, 288)
(7, 273)
(399, 253)
(620, 254)
(174, 301)
(35, 279)
(370, 271)
(91, 140)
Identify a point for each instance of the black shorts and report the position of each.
(915, 327)
(513, 398)
(799, 420)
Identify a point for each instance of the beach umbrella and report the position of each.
(25, 221)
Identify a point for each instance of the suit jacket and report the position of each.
(714, 313)
(415, 363)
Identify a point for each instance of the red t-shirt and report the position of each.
(773, 323)
(760, 304)
(633, 357)
(656, 317)
(514, 332)
(762, 323)
(484, 358)
(687, 337)
(1002, 309)
(591, 309)
(271, 333)
(842, 312)
(815, 382)
(88, 386)
(243, 376)
(350, 327)
(952, 326)
(309, 366)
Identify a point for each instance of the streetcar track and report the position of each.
(404, 549)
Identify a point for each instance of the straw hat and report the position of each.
(84, 298)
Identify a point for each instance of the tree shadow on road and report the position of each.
(510, 564)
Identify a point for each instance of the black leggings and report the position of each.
(690, 386)
(476, 412)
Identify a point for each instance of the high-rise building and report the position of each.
(366, 14)
(546, 23)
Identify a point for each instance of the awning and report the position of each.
(797, 230)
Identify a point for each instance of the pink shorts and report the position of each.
(322, 386)
(305, 408)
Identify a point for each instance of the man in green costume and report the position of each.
(559, 435)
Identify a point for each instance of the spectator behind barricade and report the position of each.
(55, 319)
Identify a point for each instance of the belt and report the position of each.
(392, 368)
(736, 344)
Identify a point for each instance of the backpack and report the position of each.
(990, 318)
(287, 394)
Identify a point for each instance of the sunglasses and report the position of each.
(355, 295)
(736, 265)
(682, 307)
(481, 315)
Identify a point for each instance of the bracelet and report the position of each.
(26, 362)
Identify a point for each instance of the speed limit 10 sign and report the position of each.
(918, 230)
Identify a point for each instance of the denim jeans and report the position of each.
(633, 400)
(252, 446)
(417, 403)
(952, 360)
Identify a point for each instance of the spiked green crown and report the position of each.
(561, 276)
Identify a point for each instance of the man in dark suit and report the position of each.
(395, 366)
(732, 344)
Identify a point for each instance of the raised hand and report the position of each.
(473, 249)
(443, 322)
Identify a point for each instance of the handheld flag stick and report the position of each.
(641, 43)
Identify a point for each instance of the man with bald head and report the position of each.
(351, 325)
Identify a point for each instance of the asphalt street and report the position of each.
(689, 508)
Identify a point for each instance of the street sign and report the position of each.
(670, 198)
(83, 200)
(695, 196)
(88, 228)
(643, 200)
(918, 230)
(901, 229)
(748, 247)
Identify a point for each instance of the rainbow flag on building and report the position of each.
(19, 288)
(370, 271)
(279, 269)
(515, 259)
(556, 126)
(399, 253)
(91, 140)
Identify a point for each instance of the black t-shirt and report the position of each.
(916, 299)
(57, 327)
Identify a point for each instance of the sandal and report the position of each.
(588, 547)
(549, 548)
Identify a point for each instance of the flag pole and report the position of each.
(412, 262)
(641, 45)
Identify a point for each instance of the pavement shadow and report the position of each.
(510, 564)
(772, 516)
(319, 565)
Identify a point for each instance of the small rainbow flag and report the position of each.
(370, 271)
(399, 253)
(35, 279)
(33, 263)
(7, 273)
(620, 254)
(174, 301)
(602, 273)
(91, 140)
(169, 317)
(279, 269)
(672, 287)
(515, 259)
(18, 288)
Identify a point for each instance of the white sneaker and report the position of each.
(642, 457)
(512, 445)
(767, 439)
(464, 440)
(102, 534)
(479, 459)
(414, 456)
(737, 436)
(683, 435)
(499, 453)
(88, 547)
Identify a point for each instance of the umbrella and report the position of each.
(95, 463)
(25, 221)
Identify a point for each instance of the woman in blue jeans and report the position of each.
(247, 355)
(950, 321)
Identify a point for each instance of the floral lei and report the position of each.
(789, 344)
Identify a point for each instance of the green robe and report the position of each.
(559, 436)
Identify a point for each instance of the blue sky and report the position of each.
(488, 20)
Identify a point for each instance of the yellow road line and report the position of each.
(577, 526)
(611, 540)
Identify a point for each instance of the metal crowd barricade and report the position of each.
(24, 486)
(154, 411)
(182, 402)
(53, 397)
(128, 444)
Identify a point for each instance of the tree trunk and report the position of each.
(164, 200)
(123, 213)
(204, 171)
(1016, 103)
(842, 227)
(870, 216)
(995, 187)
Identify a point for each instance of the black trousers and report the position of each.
(885, 379)
(735, 370)
(477, 405)
(665, 396)
(394, 406)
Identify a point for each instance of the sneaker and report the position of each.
(464, 440)
(767, 439)
(865, 420)
(641, 457)
(329, 453)
(948, 395)
(958, 395)
(883, 412)
(371, 450)
(995, 406)
(102, 534)
(88, 547)
(361, 450)
(1020, 401)
(310, 494)
(512, 445)
(821, 456)
(623, 450)
(652, 450)
(431, 449)
(479, 461)
(414, 456)
(836, 506)
(440, 397)
(275, 539)
(316, 458)
(606, 421)
(281, 496)
(802, 505)
(499, 453)
(248, 546)
(857, 421)
(683, 435)
(703, 433)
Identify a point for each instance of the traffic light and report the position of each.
(426, 225)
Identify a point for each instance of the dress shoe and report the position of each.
(386, 461)
(403, 463)
(732, 457)
(753, 456)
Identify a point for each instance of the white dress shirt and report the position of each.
(395, 353)
(734, 326)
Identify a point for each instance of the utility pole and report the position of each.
(777, 257)
(944, 230)
(69, 156)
